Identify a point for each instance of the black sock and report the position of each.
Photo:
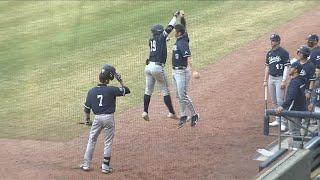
(106, 161)
(167, 101)
(146, 102)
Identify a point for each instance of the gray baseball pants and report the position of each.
(276, 93)
(181, 80)
(155, 73)
(101, 122)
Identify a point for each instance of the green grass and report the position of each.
(51, 52)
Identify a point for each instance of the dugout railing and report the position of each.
(295, 163)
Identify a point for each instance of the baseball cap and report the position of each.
(313, 38)
(297, 66)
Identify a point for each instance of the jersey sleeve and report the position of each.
(286, 58)
(185, 50)
(87, 104)
(170, 27)
(167, 31)
(121, 91)
(313, 74)
(267, 59)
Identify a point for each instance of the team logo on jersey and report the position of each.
(318, 90)
(174, 47)
(274, 59)
(303, 72)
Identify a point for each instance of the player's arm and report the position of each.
(313, 96)
(171, 24)
(87, 107)
(121, 91)
(183, 21)
(313, 58)
(311, 85)
(285, 70)
(186, 53)
(312, 80)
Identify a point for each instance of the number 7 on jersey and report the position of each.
(101, 98)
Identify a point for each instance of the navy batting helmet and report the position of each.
(157, 29)
(275, 38)
(313, 38)
(297, 66)
(108, 71)
(304, 49)
(180, 28)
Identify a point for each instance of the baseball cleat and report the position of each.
(145, 116)
(172, 116)
(106, 169)
(182, 121)
(194, 120)
(274, 123)
(85, 166)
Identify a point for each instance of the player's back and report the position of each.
(158, 48)
(102, 99)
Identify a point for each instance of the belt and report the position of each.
(179, 68)
(157, 63)
(275, 75)
(106, 114)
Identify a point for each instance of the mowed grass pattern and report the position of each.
(52, 51)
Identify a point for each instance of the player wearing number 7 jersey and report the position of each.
(276, 72)
(102, 101)
(154, 70)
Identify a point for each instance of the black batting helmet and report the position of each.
(157, 29)
(108, 72)
(304, 49)
(275, 38)
(313, 38)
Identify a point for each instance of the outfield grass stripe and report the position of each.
(47, 68)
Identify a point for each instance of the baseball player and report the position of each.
(182, 68)
(312, 41)
(315, 95)
(102, 101)
(276, 72)
(307, 73)
(308, 68)
(296, 100)
(154, 71)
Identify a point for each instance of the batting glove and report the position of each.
(176, 14)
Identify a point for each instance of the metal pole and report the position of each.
(300, 125)
(285, 135)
